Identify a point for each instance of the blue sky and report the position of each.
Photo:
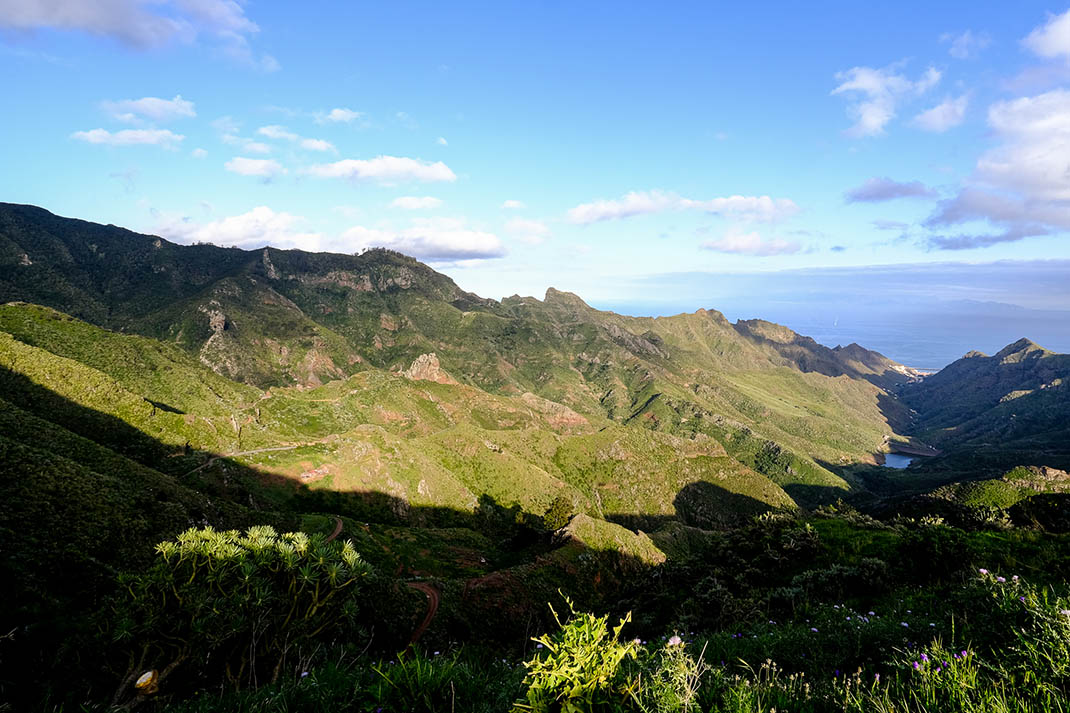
(601, 148)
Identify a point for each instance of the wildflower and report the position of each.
(876, 678)
(903, 623)
(1014, 578)
(537, 646)
(304, 673)
(983, 571)
(1001, 580)
(674, 640)
(963, 653)
(872, 614)
(1065, 612)
(1021, 599)
(813, 629)
(436, 653)
(637, 642)
(924, 657)
(917, 666)
(931, 624)
(848, 618)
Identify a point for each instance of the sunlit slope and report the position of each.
(420, 442)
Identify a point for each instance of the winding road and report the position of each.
(429, 590)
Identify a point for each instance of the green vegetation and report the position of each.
(166, 411)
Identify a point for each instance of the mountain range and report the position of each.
(146, 386)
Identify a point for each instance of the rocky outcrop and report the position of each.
(426, 368)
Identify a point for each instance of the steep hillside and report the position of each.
(778, 403)
(1014, 400)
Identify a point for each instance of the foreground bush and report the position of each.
(238, 608)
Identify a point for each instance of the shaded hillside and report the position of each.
(1016, 399)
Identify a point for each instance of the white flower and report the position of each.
(674, 640)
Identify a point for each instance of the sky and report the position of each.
(633, 153)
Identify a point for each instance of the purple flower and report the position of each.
(674, 640)
(917, 666)
(983, 571)
(903, 623)
(1021, 599)
(963, 653)
(1014, 578)
(924, 657)
(1001, 580)
(813, 629)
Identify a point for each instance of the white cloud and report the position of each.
(152, 108)
(1021, 186)
(1052, 39)
(145, 24)
(316, 145)
(876, 190)
(966, 45)
(384, 169)
(277, 132)
(877, 94)
(264, 168)
(259, 227)
(416, 202)
(436, 239)
(130, 137)
(532, 232)
(247, 145)
(340, 114)
(198, 153)
(441, 141)
(945, 115)
(760, 208)
(740, 243)
(513, 205)
(281, 133)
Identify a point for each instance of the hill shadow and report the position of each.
(95, 497)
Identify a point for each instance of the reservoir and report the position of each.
(897, 460)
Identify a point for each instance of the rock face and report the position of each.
(426, 368)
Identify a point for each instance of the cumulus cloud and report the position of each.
(740, 243)
(1052, 39)
(384, 169)
(281, 133)
(759, 208)
(142, 24)
(1021, 186)
(131, 137)
(529, 231)
(264, 168)
(416, 202)
(277, 132)
(198, 153)
(877, 93)
(339, 115)
(435, 239)
(513, 205)
(150, 108)
(966, 45)
(259, 227)
(945, 115)
(876, 190)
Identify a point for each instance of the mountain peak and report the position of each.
(1022, 346)
(555, 296)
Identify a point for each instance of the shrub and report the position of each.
(581, 669)
(239, 607)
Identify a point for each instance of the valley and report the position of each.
(482, 457)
